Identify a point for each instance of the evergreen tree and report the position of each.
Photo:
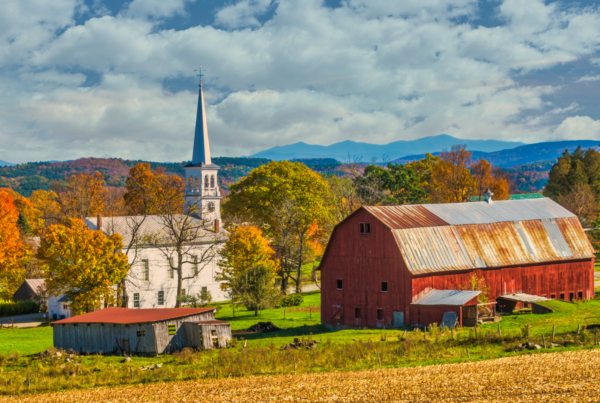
(24, 225)
(574, 170)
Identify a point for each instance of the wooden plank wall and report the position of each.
(107, 338)
(362, 262)
(200, 336)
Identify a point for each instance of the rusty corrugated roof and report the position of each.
(447, 297)
(408, 216)
(575, 237)
(130, 316)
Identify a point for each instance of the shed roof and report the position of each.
(36, 284)
(524, 297)
(212, 322)
(130, 316)
(447, 297)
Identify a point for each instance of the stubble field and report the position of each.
(553, 377)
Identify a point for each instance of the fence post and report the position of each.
(379, 358)
(467, 350)
(499, 331)
(402, 337)
(528, 330)
(553, 329)
(131, 372)
(28, 381)
(578, 328)
(544, 340)
(284, 314)
(595, 336)
(294, 365)
(214, 369)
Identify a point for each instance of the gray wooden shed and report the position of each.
(132, 331)
(208, 334)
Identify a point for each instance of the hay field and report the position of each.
(554, 377)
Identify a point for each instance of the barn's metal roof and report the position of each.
(36, 284)
(408, 216)
(465, 236)
(211, 322)
(447, 297)
(498, 211)
(129, 316)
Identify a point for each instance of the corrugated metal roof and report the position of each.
(407, 216)
(575, 237)
(211, 322)
(129, 316)
(36, 284)
(524, 297)
(447, 297)
(498, 211)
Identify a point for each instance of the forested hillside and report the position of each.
(25, 178)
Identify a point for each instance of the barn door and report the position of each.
(398, 319)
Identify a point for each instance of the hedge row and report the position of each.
(19, 308)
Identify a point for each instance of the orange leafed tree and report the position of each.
(12, 250)
(451, 177)
(485, 179)
(28, 209)
(153, 192)
(83, 196)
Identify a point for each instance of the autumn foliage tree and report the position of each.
(486, 179)
(82, 264)
(12, 249)
(82, 196)
(152, 192)
(245, 248)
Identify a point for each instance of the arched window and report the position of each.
(190, 184)
(196, 184)
(212, 181)
(206, 181)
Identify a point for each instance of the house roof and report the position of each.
(131, 316)
(447, 297)
(130, 226)
(36, 284)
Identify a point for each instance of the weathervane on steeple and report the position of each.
(200, 74)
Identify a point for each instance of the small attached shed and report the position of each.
(208, 334)
(131, 331)
(431, 307)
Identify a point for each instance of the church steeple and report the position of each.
(202, 193)
(201, 147)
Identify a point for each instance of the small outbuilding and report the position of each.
(141, 331)
(33, 289)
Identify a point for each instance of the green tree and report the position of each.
(287, 200)
(578, 168)
(255, 288)
(24, 225)
(395, 184)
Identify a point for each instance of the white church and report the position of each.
(151, 282)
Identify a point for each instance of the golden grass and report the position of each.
(553, 377)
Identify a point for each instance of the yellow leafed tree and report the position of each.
(246, 248)
(82, 264)
(46, 201)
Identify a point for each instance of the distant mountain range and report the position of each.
(526, 154)
(6, 164)
(351, 150)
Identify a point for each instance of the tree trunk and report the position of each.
(256, 310)
(284, 283)
(299, 272)
(124, 298)
(179, 280)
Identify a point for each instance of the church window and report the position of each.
(196, 184)
(190, 184)
(211, 207)
(206, 181)
(212, 181)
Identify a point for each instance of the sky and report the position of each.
(114, 78)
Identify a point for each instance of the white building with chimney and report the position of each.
(151, 282)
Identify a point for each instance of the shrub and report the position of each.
(292, 300)
(19, 308)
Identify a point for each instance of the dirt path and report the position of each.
(552, 377)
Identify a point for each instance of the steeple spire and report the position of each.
(201, 147)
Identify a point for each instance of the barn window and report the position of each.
(552, 296)
(161, 298)
(136, 300)
(580, 295)
(339, 284)
(571, 296)
(172, 329)
(562, 297)
(384, 286)
(357, 313)
(141, 333)
(213, 332)
(365, 228)
(145, 270)
(379, 314)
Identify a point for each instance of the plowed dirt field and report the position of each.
(554, 377)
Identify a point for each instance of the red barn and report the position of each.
(381, 262)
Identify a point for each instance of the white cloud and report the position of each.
(375, 71)
(578, 128)
(242, 14)
(588, 78)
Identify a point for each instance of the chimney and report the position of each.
(217, 226)
(487, 196)
(99, 222)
